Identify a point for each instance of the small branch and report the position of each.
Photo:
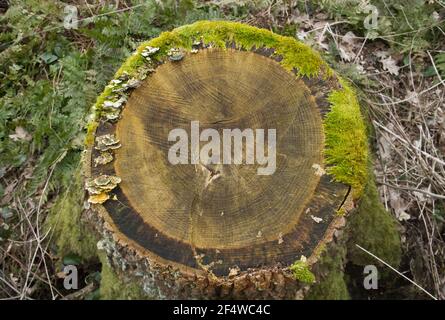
(433, 195)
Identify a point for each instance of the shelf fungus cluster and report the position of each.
(148, 52)
(99, 188)
(110, 111)
(176, 54)
(105, 144)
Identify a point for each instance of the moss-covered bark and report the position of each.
(69, 233)
(330, 283)
(374, 229)
(369, 226)
(114, 287)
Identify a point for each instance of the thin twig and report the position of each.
(396, 271)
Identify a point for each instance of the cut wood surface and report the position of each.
(217, 217)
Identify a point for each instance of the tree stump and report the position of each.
(209, 229)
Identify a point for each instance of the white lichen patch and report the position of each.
(234, 271)
(132, 84)
(149, 51)
(280, 238)
(143, 72)
(112, 115)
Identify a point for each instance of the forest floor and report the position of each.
(51, 75)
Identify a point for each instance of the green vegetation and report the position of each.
(331, 285)
(346, 141)
(440, 64)
(70, 234)
(301, 272)
(373, 228)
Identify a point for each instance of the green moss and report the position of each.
(346, 149)
(89, 137)
(374, 229)
(331, 284)
(301, 272)
(113, 287)
(296, 55)
(332, 287)
(64, 219)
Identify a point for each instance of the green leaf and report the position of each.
(72, 259)
(5, 212)
(48, 58)
(429, 72)
(95, 295)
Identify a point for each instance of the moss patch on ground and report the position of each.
(331, 287)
